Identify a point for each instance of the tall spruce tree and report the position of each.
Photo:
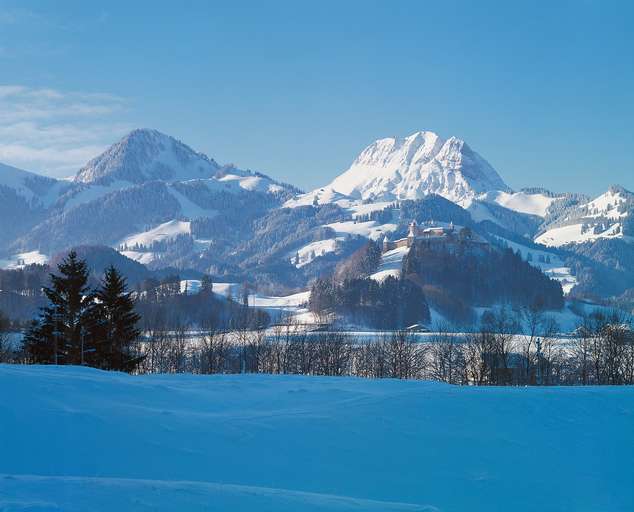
(59, 337)
(113, 329)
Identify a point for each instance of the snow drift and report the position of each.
(79, 439)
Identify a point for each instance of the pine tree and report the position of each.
(113, 326)
(206, 284)
(59, 337)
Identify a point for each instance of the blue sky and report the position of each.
(543, 90)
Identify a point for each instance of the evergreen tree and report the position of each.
(113, 326)
(59, 337)
(206, 284)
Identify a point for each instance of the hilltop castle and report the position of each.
(433, 234)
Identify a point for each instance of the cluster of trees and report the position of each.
(161, 311)
(601, 353)
(362, 263)
(497, 276)
(21, 292)
(603, 349)
(27, 281)
(390, 304)
(433, 208)
(83, 326)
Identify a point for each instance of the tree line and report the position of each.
(601, 352)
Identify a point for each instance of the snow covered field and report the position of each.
(76, 439)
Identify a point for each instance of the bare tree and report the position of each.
(447, 358)
(333, 354)
(405, 358)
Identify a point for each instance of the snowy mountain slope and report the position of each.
(423, 164)
(307, 253)
(609, 216)
(548, 262)
(166, 231)
(370, 229)
(521, 223)
(25, 200)
(149, 179)
(325, 195)
(612, 205)
(143, 438)
(578, 233)
(20, 260)
(523, 202)
(391, 264)
(37, 190)
(417, 165)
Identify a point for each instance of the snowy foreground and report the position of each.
(76, 439)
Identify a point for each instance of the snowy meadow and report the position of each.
(77, 439)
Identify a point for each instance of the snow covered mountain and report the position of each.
(161, 203)
(146, 155)
(420, 164)
(144, 181)
(423, 164)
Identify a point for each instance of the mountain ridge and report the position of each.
(232, 220)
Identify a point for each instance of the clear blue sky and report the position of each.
(544, 90)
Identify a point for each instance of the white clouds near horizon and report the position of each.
(56, 132)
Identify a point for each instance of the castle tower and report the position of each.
(412, 233)
(413, 228)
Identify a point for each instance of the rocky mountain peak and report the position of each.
(420, 164)
(147, 155)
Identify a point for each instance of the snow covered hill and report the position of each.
(530, 203)
(605, 217)
(77, 439)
